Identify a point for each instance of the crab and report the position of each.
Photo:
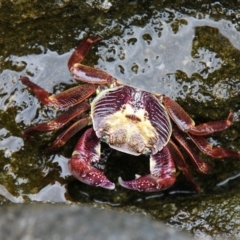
(129, 120)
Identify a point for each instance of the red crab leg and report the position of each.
(87, 151)
(58, 122)
(199, 163)
(186, 124)
(61, 100)
(82, 50)
(84, 73)
(67, 134)
(182, 165)
(215, 152)
(162, 174)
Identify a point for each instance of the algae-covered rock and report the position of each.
(209, 217)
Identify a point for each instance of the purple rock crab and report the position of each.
(129, 120)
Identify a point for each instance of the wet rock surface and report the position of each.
(186, 50)
(208, 217)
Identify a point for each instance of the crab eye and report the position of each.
(104, 138)
(147, 151)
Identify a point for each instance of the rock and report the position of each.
(48, 221)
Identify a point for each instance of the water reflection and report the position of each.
(9, 144)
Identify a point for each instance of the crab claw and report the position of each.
(87, 151)
(147, 183)
(85, 173)
(162, 174)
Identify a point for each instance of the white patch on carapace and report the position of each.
(120, 119)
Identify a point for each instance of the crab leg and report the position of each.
(199, 163)
(67, 134)
(186, 124)
(84, 73)
(58, 122)
(87, 151)
(162, 174)
(82, 50)
(215, 152)
(181, 164)
(61, 100)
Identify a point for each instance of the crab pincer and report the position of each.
(162, 174)
(87, 152)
